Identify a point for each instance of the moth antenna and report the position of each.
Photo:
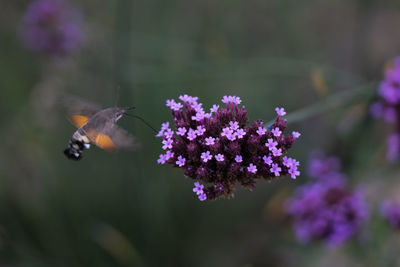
(116, 96)
(145, 122)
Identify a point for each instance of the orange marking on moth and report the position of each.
(104, 141)
(79, 120)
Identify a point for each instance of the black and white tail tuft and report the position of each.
(74, 150)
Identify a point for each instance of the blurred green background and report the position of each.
(122, 209)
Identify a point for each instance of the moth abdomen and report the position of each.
(72, 154)
(75, 148)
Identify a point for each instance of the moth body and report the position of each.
(78, 142)
(97, 126)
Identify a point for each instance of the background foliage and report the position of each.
(122, 209)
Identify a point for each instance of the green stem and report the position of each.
(332, 102)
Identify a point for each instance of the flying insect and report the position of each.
(96, 126)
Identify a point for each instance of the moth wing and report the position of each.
(112, 138)
(100, 139)
(104, 141)
(75, 105)
(122, 139)
(78, 120)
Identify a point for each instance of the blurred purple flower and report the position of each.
(393, 147)
(324, 167)
(327, 209)
(220, 149)
(52, 26)
(388, 107)
(390, 210)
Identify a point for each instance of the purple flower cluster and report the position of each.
(321, 166)
(388, 107)
(327, 209)
(52, 26)
(218, 148)
(390, 210)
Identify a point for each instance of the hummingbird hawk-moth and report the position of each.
(96, 126)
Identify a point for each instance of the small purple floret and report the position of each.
(192, 134)
(181, 161)
(267, 160)
(169, 133)
(167, 144)
(252, 168)
(206, 156)
(261, 131)
(162, 159)
(271, 144)
(275, 169)
(181, 131)
(293, 172)
(200, 130)
(220, 157)
(276, 152)
(276, 132)
(203, 197)
(210, 141)
(226, 131)
(240, 133)
(198, 188)
(214, 109)
(280, 111)
(234, 125)
(169, 154)
(296, 135)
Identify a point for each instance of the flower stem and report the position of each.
(340, 99)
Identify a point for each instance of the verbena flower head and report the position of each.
(52, 26)
(390, 210)
(327, 210)
(321, 166)
(388, 108)
(220, 148)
